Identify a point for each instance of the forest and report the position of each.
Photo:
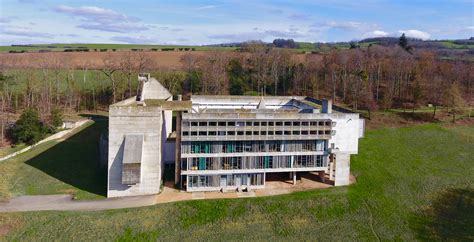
(373, 78)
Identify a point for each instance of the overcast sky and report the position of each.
(210, 22)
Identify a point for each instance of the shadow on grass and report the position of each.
(94, 116)
(450, 217)
(75, 161)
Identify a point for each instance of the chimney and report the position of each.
(327, 106)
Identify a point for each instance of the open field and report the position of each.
(94, 60)
(54, 167)
(109, 47)
(412, 183)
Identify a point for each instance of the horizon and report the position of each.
(220, 22)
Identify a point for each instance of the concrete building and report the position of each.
(226, 143)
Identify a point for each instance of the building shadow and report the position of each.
(76, 160)
(449, 218)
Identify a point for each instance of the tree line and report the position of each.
(370, 78)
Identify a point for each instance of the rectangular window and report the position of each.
(248, 132)
(279, 123)
(304, 123)
(278, 132)
(185, 124)
(271, 124)
(240, 124)
(248, 124)
(212, 123)
(185, 133)
(287, 123)
(194, 133)
(202, 124)
(255, 132)
(240, 132)
(304, 132)
(296, 123)
(287, 132)
(270, 132)
(264, 123)
(202, 133)
(230, 124)
(212, 133)
(194, 123)
(256, 124)
(295, 132)
(230, 132)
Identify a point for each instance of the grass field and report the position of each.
(109, 47)
(56, 167)
(412, 183)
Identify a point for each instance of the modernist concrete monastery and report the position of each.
(225, 143)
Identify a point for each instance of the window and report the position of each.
(304, 132)
(212, 133)
(264, 123)
(249, 124)
(240, 132)
(278, 132)
(263, 132)
(202, 133)
(186, 124)
(194, 123)
(287, 132)
(230, 132)
(221, 133)
(271, 123)
(314, 123)
(287, 123)
(194, 133)
(304, 123)
(279, 123)
(256, 124)
(255, 132)
(328, 123)
(202, 124)
(231, 124)
(321, 123)
(221, 124)
(212, 123)
(295, 132)
(248, 132)
(185, 133)
(240, 124)
(270, 132)
(296, 123)
(313, 132)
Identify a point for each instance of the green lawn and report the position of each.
(56, 167)
(412, 183)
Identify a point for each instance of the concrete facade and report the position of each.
(225, 142)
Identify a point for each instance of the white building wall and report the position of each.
(347, 130)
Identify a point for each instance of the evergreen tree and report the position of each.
(29, 129)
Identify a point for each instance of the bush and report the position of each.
(56, 117)
(29, 129)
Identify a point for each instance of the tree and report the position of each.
(56, 117)
(403, 42)
(29, 129)
(453, 100)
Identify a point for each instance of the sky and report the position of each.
(203, 22)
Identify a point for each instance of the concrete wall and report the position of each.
(347, 130)
(135, 120)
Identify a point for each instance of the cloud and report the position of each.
(257, 35)
(134, 40)
(24, 33)
(102, 19)
(116, 27)
(5, 20)
(376, 33)
(206, 7)
(301, 17)
(413, 33)
(95, 13)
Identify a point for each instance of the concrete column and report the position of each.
(177, 174)
(342, 169)
(294, 178)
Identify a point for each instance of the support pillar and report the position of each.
(294, 178)
(177, 169)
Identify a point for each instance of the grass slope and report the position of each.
(56, 167)
(412, 183)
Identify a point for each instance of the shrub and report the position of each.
(56, 117)
(29, 129)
